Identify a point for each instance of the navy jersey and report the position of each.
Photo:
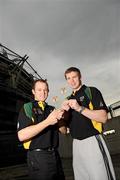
(81, 127)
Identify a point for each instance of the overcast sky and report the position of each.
(57, 34)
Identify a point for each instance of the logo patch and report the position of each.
(82, 98)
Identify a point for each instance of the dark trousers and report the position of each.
(45, 165)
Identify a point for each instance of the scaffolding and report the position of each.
(15, 71)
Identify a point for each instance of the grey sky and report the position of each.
(57, 34)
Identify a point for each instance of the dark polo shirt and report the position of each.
(81, 127)
(49, 136)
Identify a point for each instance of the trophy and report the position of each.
(57, 100)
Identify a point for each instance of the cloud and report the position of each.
(57, 34)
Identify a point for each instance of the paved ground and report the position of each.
(19, 172)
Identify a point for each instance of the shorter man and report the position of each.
(38, 129)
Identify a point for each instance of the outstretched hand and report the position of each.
(55, 116)
(65, 105)
(72, 103)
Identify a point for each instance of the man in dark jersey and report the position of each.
(91, 159)
(38, 128)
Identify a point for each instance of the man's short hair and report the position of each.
(72, 69)
(42, 81)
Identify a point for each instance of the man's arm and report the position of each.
(98, 115)
(32, 130)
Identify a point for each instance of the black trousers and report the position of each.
(45, 165)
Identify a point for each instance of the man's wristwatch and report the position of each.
(82, 109)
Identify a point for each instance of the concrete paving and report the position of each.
(19, 172)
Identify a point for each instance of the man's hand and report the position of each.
(65, 105)
(55, 116)
(73, 104)
(60, 113)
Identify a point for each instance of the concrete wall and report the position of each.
(112, 140)
(65, 146)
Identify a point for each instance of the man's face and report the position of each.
(40, 92)
(73, 80)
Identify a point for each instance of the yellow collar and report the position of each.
(42, 105)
